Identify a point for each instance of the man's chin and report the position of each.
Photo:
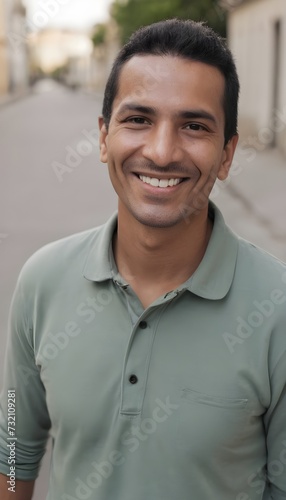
(159, 221)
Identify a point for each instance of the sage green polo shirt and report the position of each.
(184, 400)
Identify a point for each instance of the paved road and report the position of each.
(52, 184)
(253, 199)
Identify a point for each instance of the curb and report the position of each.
(96, 94)
(11, 98)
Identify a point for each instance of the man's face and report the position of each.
(165, 143)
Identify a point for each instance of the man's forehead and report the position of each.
(153, 70)
(158, 66)
(145, 76)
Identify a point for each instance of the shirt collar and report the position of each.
(99, 265)
(214, 275)
(211, 280)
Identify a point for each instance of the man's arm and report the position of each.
(23, 489)
(275, 425)
(24, 417)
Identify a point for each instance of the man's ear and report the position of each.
(227, 157)
(102, 140)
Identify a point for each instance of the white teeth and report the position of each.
(176, 181)
(154, 182)
(163, 183)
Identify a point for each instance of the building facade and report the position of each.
(14, 59)
(4, 68)
(68, 51)
(257, 38)
(17, 46)
(103, 57)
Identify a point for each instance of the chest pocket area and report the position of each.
(209, 424)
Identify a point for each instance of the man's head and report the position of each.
(188, 40)
(168, 129)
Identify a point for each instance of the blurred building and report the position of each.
(63, 52)
(4, 69)
(257, 37)
(14, 19)
(103, 56)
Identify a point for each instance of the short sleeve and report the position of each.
(275, 426)
(32, 422)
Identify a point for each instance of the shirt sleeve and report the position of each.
(32, 422)
(275, 426)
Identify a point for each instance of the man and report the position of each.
(152, 349)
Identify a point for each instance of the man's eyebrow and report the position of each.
(136, 107)
(197, 114)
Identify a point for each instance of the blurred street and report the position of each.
(53, 184)
(253, 198)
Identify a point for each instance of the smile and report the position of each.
(162, 183)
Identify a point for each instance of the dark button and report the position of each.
(143, 325)
(133, 379)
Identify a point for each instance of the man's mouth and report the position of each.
(162, 183)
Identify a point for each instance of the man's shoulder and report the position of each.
(57, 257)
(259, 265)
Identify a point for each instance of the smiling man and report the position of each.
(153, 348)
(165, 145)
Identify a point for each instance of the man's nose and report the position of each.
(162, 145)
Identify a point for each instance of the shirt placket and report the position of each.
(139, 349)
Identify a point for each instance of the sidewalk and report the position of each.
(13, 97)
(98, 95)
(253, 200)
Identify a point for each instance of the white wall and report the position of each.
(251, 35)
(17, 46)
(3, 52)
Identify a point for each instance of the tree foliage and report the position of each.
(99, 34)
(131, 14)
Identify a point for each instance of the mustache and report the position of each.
(152, 168)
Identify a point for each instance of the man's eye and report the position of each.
(195, 126)
(137, 119)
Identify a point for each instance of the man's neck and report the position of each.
(155, 261)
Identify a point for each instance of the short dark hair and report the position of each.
(186, 39)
